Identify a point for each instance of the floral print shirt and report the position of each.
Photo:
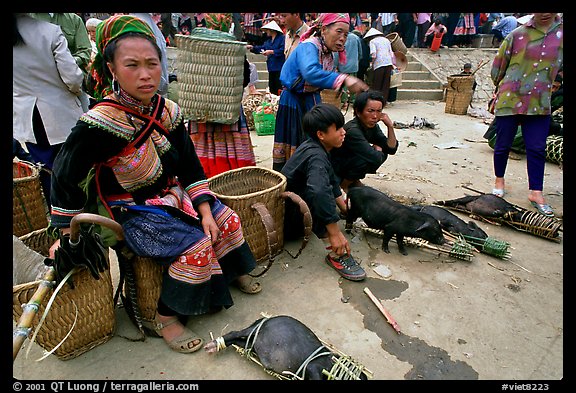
(525, 67)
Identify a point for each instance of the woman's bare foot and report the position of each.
(172, 329)
(499, 183)
(536, 196)
(498, 189)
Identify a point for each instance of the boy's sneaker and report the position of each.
(347, 267)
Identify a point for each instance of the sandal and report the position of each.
(543, 208)
(499, 192)
(183, 341)
(247, 285)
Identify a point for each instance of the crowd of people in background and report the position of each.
(414, 28)
(418, 30)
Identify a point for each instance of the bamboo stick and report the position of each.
(31, 308)
(29, 311)
(389, 318)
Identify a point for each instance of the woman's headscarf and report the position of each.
(326, 19)
(106, 32)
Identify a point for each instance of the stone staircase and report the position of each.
(418, 82)
(260, 62)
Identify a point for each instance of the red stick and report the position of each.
(389, 318)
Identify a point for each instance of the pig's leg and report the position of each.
(401, 247)
(351, 216)
(387, 236)
(238, 337)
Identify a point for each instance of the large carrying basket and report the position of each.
(29, 207)
(148, 283)
(257, 195)
(397, 43)
(330, 96)
(210, 75)
(90, 298)
(459, 94)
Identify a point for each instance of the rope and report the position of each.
(313, 355)
(47, 309)
(220, 344)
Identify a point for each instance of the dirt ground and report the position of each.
(486, 318)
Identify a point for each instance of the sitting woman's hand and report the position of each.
(210, 228)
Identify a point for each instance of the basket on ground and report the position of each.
(90, 304)
(210, 75)
(459, 94)
(245, 189)
(29, 208)
(148, 281)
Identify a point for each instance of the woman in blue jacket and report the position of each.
(273, 49)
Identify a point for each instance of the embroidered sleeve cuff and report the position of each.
(199, 189)
(61, 218)
(339, 81)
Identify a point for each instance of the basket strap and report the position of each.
(307, 219)
(272, 235)
(268, 221)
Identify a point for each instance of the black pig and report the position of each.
(379, 211)
(485, 205)
(282, 343)
(452, 223)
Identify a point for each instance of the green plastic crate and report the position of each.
(265, 123)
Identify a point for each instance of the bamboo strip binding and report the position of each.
(96, 318)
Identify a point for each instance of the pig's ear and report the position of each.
(472, 225)
(425, 225)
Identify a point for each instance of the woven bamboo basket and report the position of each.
(95, 322)
(29, 207)
(148, 276)
(330, 96)
(459, 94)
(241, 189)
(397, 43)
(210, 75)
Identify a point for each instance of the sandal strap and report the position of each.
(158, 325)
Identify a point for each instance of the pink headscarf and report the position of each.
(326, 19)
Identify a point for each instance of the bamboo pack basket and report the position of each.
(210, 75)
(330, 96)
(95, 322)
(148, 275)
(29, 207)
(242, 188)
(459, 94)
(397, 43)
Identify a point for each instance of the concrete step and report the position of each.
(253, 57)
(414, 66)
(262, 84)
(420, 83)
(261, 66)
(417, 75)
(420, 94)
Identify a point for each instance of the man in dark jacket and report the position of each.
(309, 174)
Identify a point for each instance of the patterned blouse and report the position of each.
(163, 169)
(525, 67)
